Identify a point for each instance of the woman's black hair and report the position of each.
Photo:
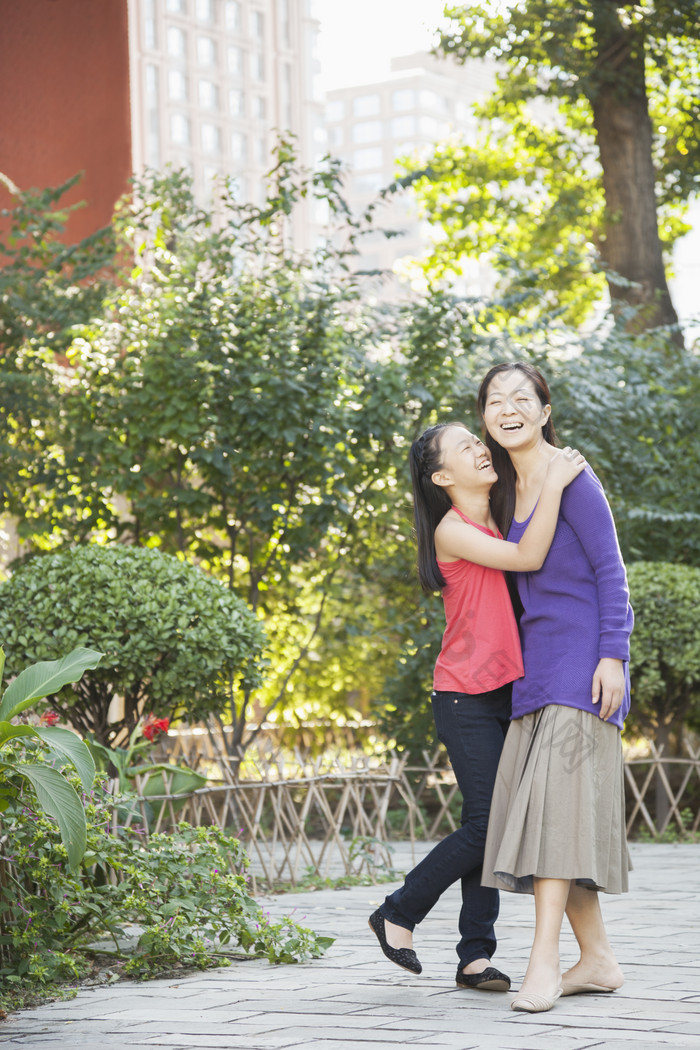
(503, 492)
(430, 503)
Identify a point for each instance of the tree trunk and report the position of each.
(631, 247)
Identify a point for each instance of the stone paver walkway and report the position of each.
(354, 999)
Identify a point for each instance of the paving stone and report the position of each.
(354, 999)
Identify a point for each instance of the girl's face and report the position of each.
(513, 413)
(466, 461)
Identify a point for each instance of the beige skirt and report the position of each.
(558, 808)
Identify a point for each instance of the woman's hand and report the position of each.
(565, 465)
(608, 686)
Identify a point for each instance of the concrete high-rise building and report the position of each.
(214, 82)
(369, 126)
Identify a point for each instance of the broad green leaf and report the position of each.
(70, 746)
(44, 678)
(8, 731)
(59, 800)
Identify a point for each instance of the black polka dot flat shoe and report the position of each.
(489, 980)
(405, 957)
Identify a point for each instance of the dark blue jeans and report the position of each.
(472, 728)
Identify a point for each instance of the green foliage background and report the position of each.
(250, 409)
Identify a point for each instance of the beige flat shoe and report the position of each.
(535, 1004)
(583, 989)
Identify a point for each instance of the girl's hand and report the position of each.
(608, 686)
(565, 465)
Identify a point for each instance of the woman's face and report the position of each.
(513, 413)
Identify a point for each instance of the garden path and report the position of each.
(354, 999)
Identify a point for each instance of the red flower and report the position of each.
(49, 718)
(153, 727)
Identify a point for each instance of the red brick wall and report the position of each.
(64, 101)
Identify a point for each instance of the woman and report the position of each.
(557, 825)
(461, 553)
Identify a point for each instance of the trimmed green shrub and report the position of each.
(175, 641)
(665, 648)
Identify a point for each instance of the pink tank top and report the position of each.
(481, 646)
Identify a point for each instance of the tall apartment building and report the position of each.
(213, 82)
(370, 126)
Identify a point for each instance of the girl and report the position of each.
(557, 826)
(461, 553)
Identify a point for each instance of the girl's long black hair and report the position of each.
(430, 503)
(503, 492)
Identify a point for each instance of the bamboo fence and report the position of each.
(334, 814)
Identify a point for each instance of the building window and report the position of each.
(257, 65)
(175, 7)
(261, 149)
(286, 95)
(283, 22)
(405, 98)
(208, 95)
(238, 187)
(184, 164)
(235, 60)
(403, 127)
(150, 39)
(239, 146)
(367, 131)
(368, 185)
(259, 25)
(335, 136)
(211, 138)
(177, 85)
(210, 176)
(204, 9)
(368, 158)
(335, 110)
(366, 105)
(431, 100)
(236, 102)
(180, 129)
(177, 42)
(259, 107)
(429, 126)
(232, 16)
(206, 51)
(152, 86)
(152, 121)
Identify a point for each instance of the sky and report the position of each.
(358, 38)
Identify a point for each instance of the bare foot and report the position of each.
(398, 936)
(602, 973)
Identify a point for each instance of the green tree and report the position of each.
(609, 153)
(233, 403)
(175, 641)
(46, 287)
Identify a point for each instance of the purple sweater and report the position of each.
(576, 607)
